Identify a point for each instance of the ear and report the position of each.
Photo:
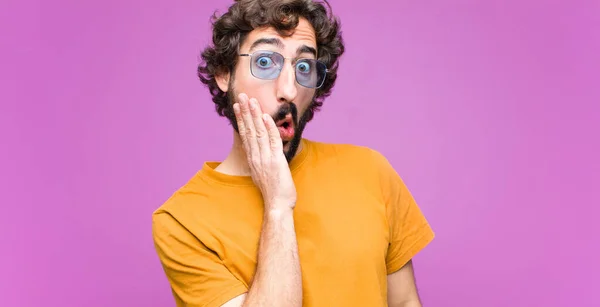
(222, 79)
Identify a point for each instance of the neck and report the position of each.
(236, 162)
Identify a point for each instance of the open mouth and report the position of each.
(286, 128)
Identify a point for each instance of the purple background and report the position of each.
(490, 112)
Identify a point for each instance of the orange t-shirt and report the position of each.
(355, 220)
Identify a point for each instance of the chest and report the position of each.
(338, 227)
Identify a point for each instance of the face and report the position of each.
(278, 92)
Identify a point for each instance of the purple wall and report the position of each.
(489, 111)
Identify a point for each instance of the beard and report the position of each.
(283, 110)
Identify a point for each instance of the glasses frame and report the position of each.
(293, 61)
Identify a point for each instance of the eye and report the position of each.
(264, 62)
(303, 67)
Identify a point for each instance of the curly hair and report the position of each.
(231, 29)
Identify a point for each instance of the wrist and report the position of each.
(280, 204)
(279, 211)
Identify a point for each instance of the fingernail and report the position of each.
(252, 104)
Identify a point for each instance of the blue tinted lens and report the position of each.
(310, 73)
(266, 65)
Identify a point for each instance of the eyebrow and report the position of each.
(279, 44)
(306, 49)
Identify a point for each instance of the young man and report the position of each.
(282, 220)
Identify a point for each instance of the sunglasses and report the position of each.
(267, 65)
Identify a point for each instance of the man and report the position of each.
(282, 220)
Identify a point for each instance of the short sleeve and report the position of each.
(196, 274)
(409, 230)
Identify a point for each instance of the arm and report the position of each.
(196, 274)
(198, 277)
(409, 232)
(402, 289)
(277, 281)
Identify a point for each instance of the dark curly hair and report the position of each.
(231, 29)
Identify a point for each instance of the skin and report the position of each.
(258, 151)
(271, 94)
(402, 288)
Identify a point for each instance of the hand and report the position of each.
(264, 150)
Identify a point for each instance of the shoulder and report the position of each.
(183, 207)
(363, 164)
(356, 155)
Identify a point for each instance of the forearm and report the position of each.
(278, 280)
(404, 302)
(415, 303)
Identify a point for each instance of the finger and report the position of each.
(262, 135)
(252, 150)
(242, 102)
(240, 123)
(237, 110)
(274, 137)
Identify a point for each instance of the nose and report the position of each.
(286, 84)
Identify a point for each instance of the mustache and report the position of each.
(284, 110)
